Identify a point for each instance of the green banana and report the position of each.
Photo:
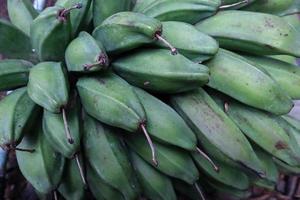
(107, 156)
(227, 175)
(17, 116)
(263, 129)
(85, 54)
(99, 188)
(293, 9)
(164, 124)
(54, 130)
(103, 9)
(48, 86)
(13, 73)
(128, 30)
(189, 42)
(44, 167)
(267, 35)
(212, 126)
(190, 11)
(71, 186)
(273, 7)
(292, 121)
(51, 32)
(21, 48)
(155, 185)
(108, 96)
(21, 14)
(286, 74)
(172, 161)
(270, 168)
(242, 79)
(285, 168)
(77, 17)
(157, 70)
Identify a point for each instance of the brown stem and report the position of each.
(233, 5)
(64, 12)
(101, 60)
(163, 40)
(216, 168)
(55, 195)
(199, 190)
(80, 169)
(67, 128)
(154, 160)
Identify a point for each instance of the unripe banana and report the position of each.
(48, 86)
(189, 42)
(243, 80)
(85, 54)
(17, 116)
(155, 185)
(51, 32)
(103, 9)
(107, 156)
(273, 7)
(128, 30)
(44, 167)
(99, 188)
(285, 74)
(71, 186)
(21, 49)
(267, 35)
(21, 14)
(77, 17)
(172, 161)
(227, 175)
(211, 124)
(157, 70)
(13, 73)
(164, 124)
(263, 129)
(190, 11)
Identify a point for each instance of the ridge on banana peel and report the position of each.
(285, 74)
(189, 42)
(13, 73)
(250, 32)
(172, 161)
(244, 80)
(164, 74)
(155, 185)
(21, 14)
(190, 11)
(107, 156)
(262, 128)
(212, 125)
(17, 116)
(125, 31)
(43, 168)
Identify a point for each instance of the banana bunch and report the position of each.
(157, 99)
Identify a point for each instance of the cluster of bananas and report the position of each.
(151, 98)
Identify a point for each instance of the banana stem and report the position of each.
(199, 190)
(64, 12)
(80, 169)
(233, 5)
(24, 150)
(216, 168)
(55, 195)
(154, 160)
(67, 128)
(102, 60)
(163, 40)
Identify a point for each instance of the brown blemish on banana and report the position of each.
(281, 145)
